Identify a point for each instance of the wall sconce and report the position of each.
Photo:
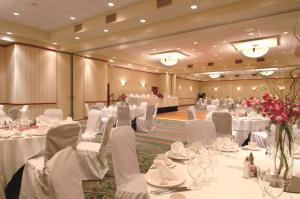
(123, 82)
(238, 88)
(191, 88)
(179, 87)
(143, 84)
(216, 89)
(281, 88)
(253, 88)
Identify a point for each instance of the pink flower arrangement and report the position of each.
(123, 97)
(159, 95)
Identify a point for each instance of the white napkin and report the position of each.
(6, 133)
(177, 148)
(164, 172)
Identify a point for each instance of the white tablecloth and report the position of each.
(215, 102)
(230, 183)
(164, 102)
(112, 112)
(14, 153)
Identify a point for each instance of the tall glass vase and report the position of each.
(284, 151)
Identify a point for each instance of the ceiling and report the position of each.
(50, 15)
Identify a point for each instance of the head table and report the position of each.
(229, 180)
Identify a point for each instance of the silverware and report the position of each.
(169, 190)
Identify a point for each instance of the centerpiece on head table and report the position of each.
(123, 100)
(283, 108)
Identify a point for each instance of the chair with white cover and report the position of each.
(130, 182)
(223, 123)
(192, 108)
(2, 113)
(143, 107)
(92, 125)
(92, 156)
(87, 108)
(200, 131)
(14, 113)
(123, 116)
(190, 115)
(100, 105)
(56, 173)
(95, 107)
(261, 137)
(54, 114)
(24, 112)
(155, 110)
(145, 124)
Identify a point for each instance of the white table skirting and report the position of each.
(164, 102)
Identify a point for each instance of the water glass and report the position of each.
(194, 171)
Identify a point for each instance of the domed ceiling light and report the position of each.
(169, 58)
(215, 75)
(255, 48)
(267, 71)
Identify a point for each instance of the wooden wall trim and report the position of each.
(188, 79)
(92, 58)
(225, 80)
(104, 101)
(136, 70)
(30, 103)
(186, 98)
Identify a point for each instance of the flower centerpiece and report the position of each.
(283, 109)
(123, 99)
(159, 95)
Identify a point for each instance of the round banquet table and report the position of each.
(14, 153)
(229, 181)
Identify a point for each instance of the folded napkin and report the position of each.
(164, 159)
(36, 132)
(164, 172)
(177, 148)
(6, 133)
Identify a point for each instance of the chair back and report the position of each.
(95, 107)
(155, 110)
(200, 131)
(106, 136)
(87, 108)
(193, 110)
(93, 122)
(100, 105)
(150, 112)
(14, 113)
(123, 116)
(56, 114)
(143, 107)
(189, 114)
(2, 113)
(60, 137)
(124, 154)
(223, 123)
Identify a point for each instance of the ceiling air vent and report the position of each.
(254, 74)
(261, 59)
(78, 28)
(111, 18)
(190, 66)
(162, 3)
(238, 61)
(236, 75)
(222, 76)
(210, 64)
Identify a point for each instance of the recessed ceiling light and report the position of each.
(9, 33)
(193, 48)
(77, 38)
(154, 49)
(250, 33)
(285, 33)
(129, 64)
(105, 30)
(54, 43)
(216, 55)
(178, 48)
(111, 61)
(214, 46)
(224, 42)
(156, 70)
(16, 13)
(72, 18)
(143, 20)
(195, 42)
(110, 4)
(114, 57)
(144, 68)
(194, 7)
(283, 52)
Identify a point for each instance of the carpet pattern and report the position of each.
(147, 150)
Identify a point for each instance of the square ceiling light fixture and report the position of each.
(169, 58)
(255, 48)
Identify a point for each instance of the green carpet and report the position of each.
(147, 150)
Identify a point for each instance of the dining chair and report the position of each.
(193, 110)
(190, 115)
(223, 123)
(145, 124)
(87, 108)
(56, 173)
(200, 131)
(92, 156)
(92, 126)
(130, 182)
(123, 116)
(14, 113)
(100, 105)
(55, 114)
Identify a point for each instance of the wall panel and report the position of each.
(3, 75)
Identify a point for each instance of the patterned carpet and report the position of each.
(147, 150)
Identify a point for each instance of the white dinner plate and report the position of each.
(175, 156)
(153, 178)
(229, 149)
(251, 149)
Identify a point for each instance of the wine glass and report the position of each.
(214, 159)
(205, 162)
(194, 171)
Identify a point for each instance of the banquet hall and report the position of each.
(149, 99)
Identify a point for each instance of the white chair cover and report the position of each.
(95, 107)
(193, 110)
(155, 110)
(23, 112)
(55, 114)
(92, 125)
(200, 131)
(2, 113)
(14, 113)
(260, 137)
(123, 116)
(130, 182)
(223, 123)
(87, 108)
(92, 156)
(37, 175)
(100, 105)
(211, 108)
(189, 114)
(143, 107)
(145, 124)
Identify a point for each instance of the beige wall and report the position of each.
(3, 73)
(187, 91)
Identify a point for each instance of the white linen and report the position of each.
(200, 131)
(130, 182)
(166, 101)
(177, 148)
(123, 116)
(164, 171)
(211, 108)
(92, 156)
(215, 102)
(92, 125)
(145, 124)
(229, 179)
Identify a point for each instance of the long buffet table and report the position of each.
(165, 104)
